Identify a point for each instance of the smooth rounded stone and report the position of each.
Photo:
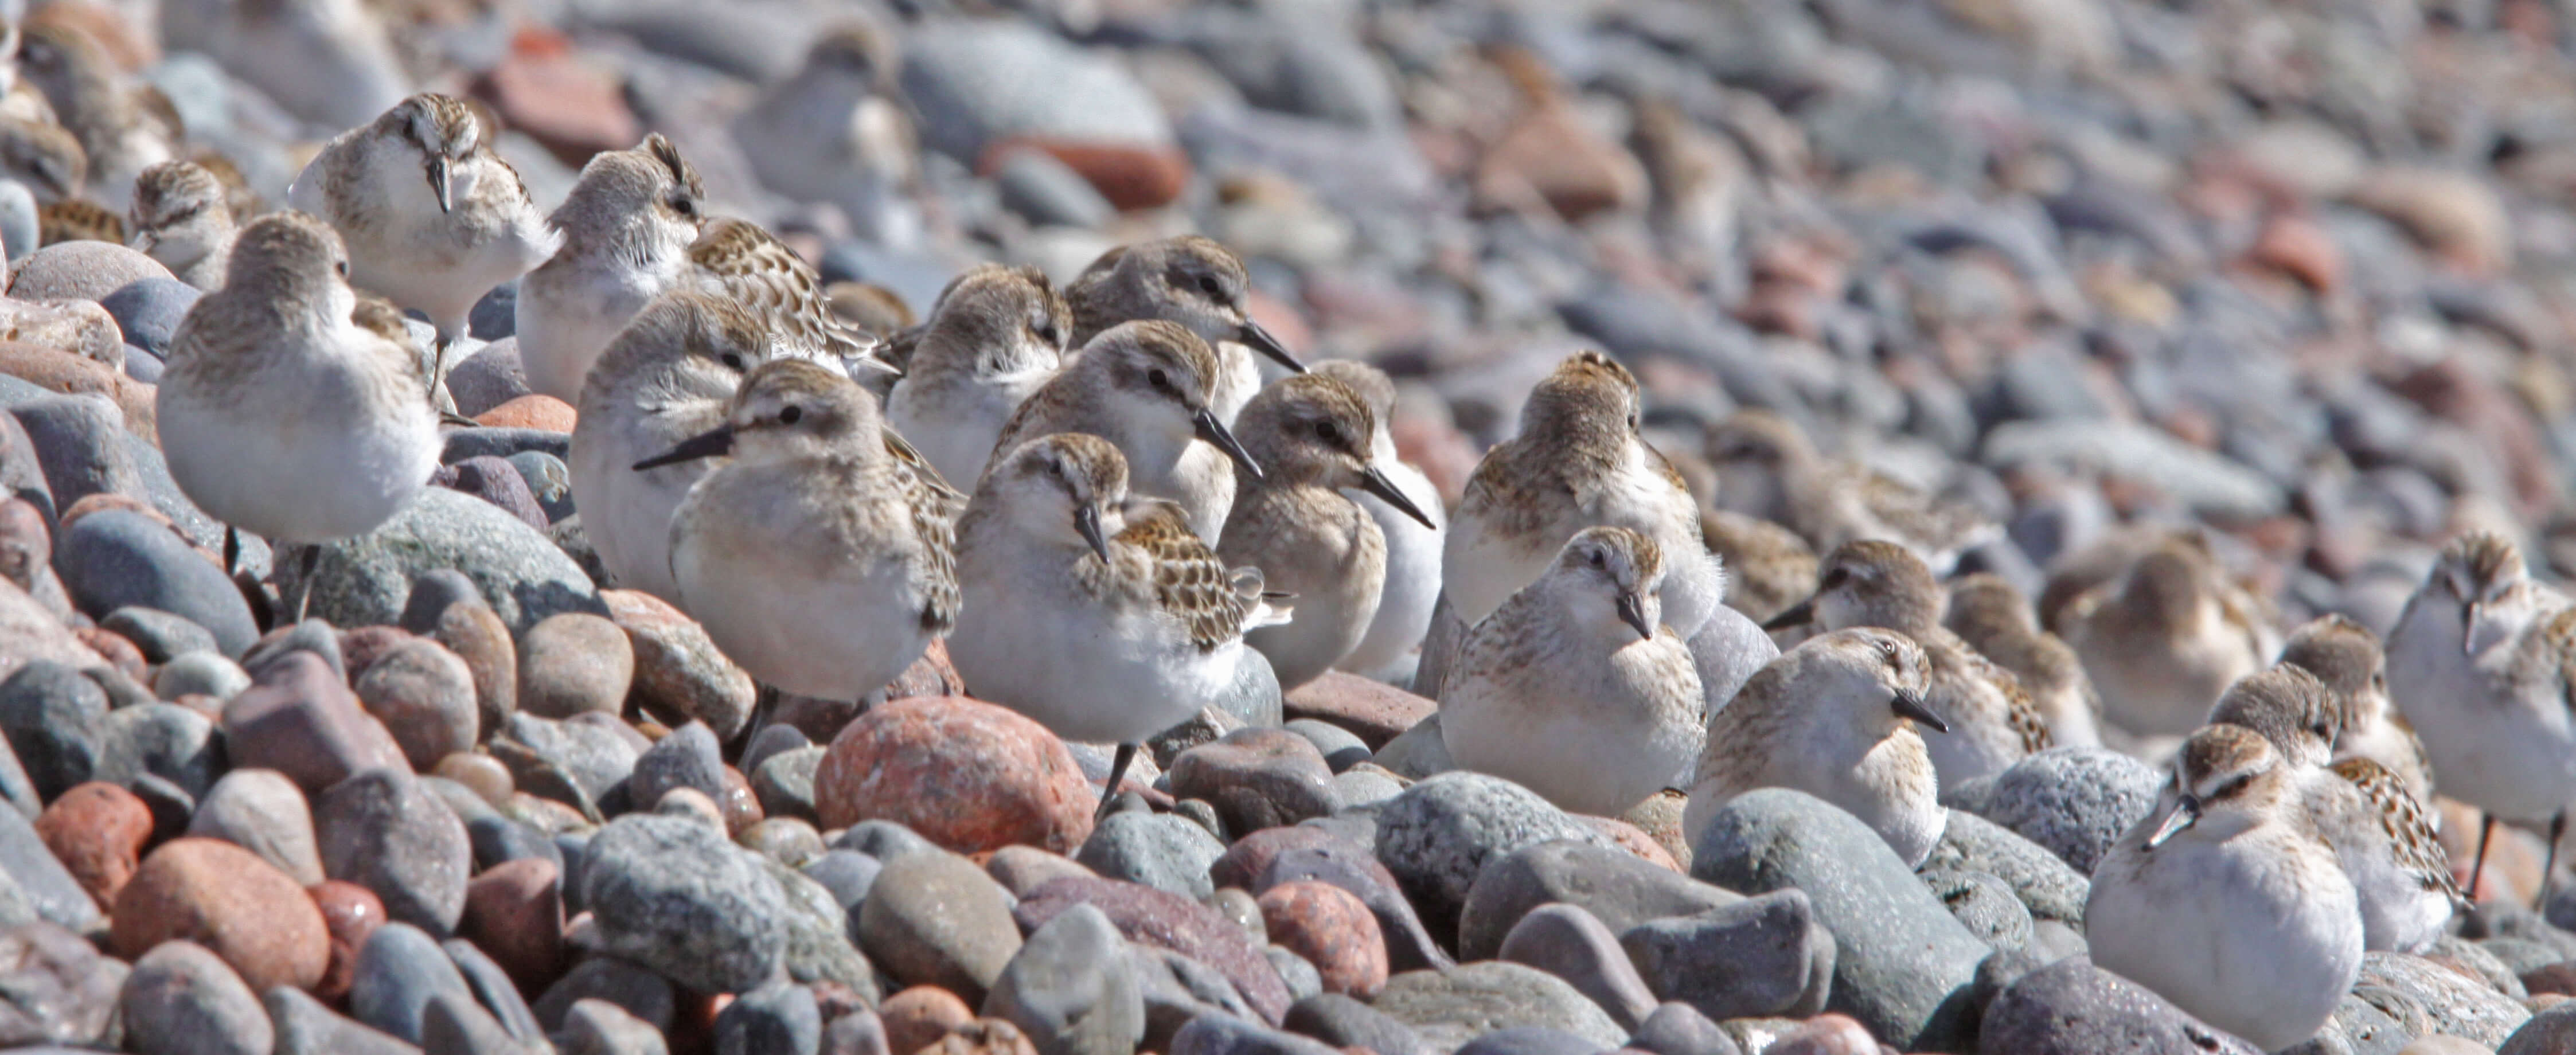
(481, 774)
(1048, 192)
(1344, 1022)
(98, 832)
(2073, 1008)
(453, 1024)
(953, 72)
(1179, 990)
(400, 970)
(502, 442)
(54, 987)
(1441, 832)
(819, 945)
(147, 311)
(496, 481)
(688, 758)
(2551, 1032)
(1226, 1035)
(81, 270)
(779, 1018)
(1340, 747)
(78, 440)
(350, 915)
(425, 696)
(181, 999)
(18, 230)
(918, 1016)
(1760, 957)
(312, 635)
(166, 740)
(489, 377)
(1257, 778)
(1902, 963)
(478, 636)
(1366, 785)
(203, 672)
(784, 783)
(1160, 850)
(385, 830)
(628, 987)
(593, 757)
(366, 581)
(142, 365)
(691, 804)
(1330, 928)
(856, 1033)
(244, 909)
(493, 989)
(549, 480)
(1613, 885)
(514, 912)
(497, 839)
(1679, 1029)
(597, 1027)
(848, 874)
(1021, 869)
(161, 635)
(771, 740)
(1295, 972)
(2073, 801)
(1568, 942)
(965, 774)
(1240, 907)
(115, 559)
(1418, 753)
(883, 840)
(572, 663)
(678, 669)
(1984, 904)
(1266, 859)
(40, 878)
(936, 919)
(300, 719)
(786, 840)
(1449, 1008)
(1071, 989)
(674, 896)
(1168, 921)
(306, 1026)
(2450, 1002)
(50, 714)
(433, 593)
(1529, 1040)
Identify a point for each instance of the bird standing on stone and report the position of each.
(1100, 616)
(627, 225)
(1834, 717)
(1189, 280)
(2227, 900)
(1311, 435)
(1145, 386)
(995, 337)
(1574, 688)
(281, 415)
(2483, 663)
(1412, 543)
(432, 215)
(818, 558)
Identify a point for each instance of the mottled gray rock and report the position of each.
(1612, 884)
(261, 811)
(1982, 903)
(400, 969)
(1449, 1008)
(2074, 801)
(383, 829)
(820, 947)
(2073, 1008)
(203, 673)
(1679, 1029)
(1343, 1022)
(1763, 956)
(367, 580)
(2044, 883)
(1071, 988)
(2447, 1001)
(688, 758)
(55, 987)
(776, 1019)
(51, 715)
(1441, 832)
(606, 979)
(305, 1026)
(1160, 850)
(1572, 944)
(161, 739)
(674, 896)
(935, 918)
(1902, 964)
(47, 886)
(115, 558)
(181, 999)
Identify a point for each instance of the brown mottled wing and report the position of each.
(935, 507)
(2418, 851)
(1190, 582)
(2019, 712)
(897, 349)
(752, 266)
(1082, 296)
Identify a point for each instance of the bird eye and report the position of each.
(1325, 431)
(2379, 681)
(1159, 379)
(341, 266)
(684, 205)
(1836, 578)
(733, 360)
(1598, 560)
(791, 415)
(1210, 286)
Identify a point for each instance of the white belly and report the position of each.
(1089, 677)
(835, 638)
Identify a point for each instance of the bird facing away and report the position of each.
(2226, 900)
(1144, 386)
(1190, 280)
(433, 217)
(627, 225)
(1576, 462)
(1992, 723)
(1770, 567)
(123, 127)
(817, 558)
(669, 375)
(1311, 434)
(181, 217)
(2347, 657)
(281, 415)
(1997, 621)
(1098, 615)
(995, 337)
(1767, 468)
(1834, 717)
(2165, 637)
(1412, 549)
(2483, 663)
(2377, 830)
(1574, 688)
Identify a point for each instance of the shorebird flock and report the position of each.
(1092, 496)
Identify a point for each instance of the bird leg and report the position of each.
(2486, 830)
(1118, 764)
(232, 550)
(304, 600)
(2549, 861)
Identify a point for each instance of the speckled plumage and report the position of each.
(1993, 618)
(1190, 280)
(2347, 657)
(746, 262)
(627, 226)
(995, 337)
(1145, 387)
(183, 218)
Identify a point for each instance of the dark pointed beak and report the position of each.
(1376, 483)
(1261, 341)
(1214, 431)
(1910, 704)
(1086, 519)
(2186, 813)
(708, 444)
(2469, 628)
(438, 185)
(1632, 611)
(1799, 614)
